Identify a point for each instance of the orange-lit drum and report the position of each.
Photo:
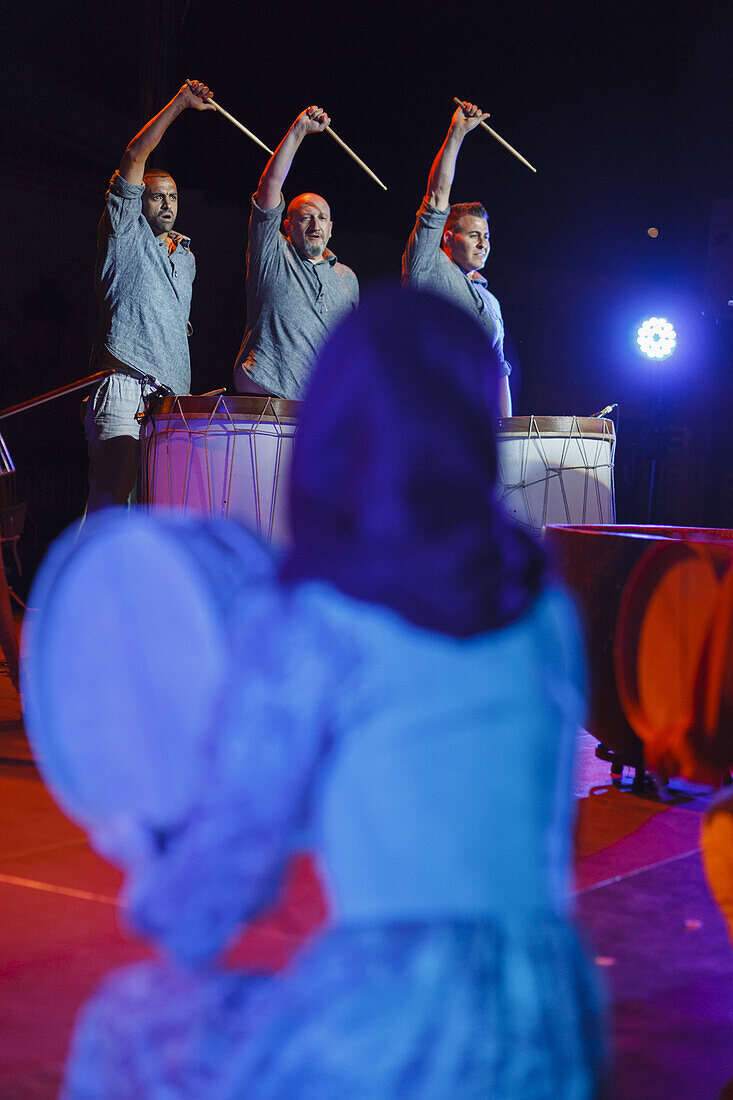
(221, 456)
(673, 654)
(556, 469)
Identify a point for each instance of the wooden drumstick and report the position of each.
(353, 156)
(239, 125)
(500, 139)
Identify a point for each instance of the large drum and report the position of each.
(556, 469)
(221, 456)
(673, 653)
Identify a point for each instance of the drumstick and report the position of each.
(81, 384)
(353, 156)
(239, 126)
(500, 139)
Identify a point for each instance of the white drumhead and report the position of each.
(124, 657)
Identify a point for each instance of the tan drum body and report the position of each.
(657, 614)
(222, 456)
(556, 469)
(673, 654)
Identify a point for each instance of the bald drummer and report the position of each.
(297, 290)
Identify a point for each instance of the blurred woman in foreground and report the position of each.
(401, 699)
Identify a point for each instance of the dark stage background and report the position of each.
(623, 108)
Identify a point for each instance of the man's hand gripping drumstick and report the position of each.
(310, 121)
(498, 137)
(466, 118)
(193, 94)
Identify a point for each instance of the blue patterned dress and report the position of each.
(431, 777)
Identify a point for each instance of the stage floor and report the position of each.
(643, 906)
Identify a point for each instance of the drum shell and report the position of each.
(556, 469)
(596, 563)
(222, 457)
(674, 657)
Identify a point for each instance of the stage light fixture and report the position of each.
(656, 338)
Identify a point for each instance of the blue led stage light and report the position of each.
(656, 338)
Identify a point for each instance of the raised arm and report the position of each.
(192, 94)
(310, 121)
(505, 397)
(465, 118)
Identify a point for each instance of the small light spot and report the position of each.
(604, 960)
(693, 924)
(652, 232)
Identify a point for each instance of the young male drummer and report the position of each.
(144, 275)
(297, 290)
(450, 244)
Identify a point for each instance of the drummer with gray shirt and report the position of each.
(450, 244)
(143, 278)
(297, 291)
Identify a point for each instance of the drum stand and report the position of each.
(655, 450)
(8, 637)
(642, 783)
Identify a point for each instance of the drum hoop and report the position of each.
(574, 427)
(274, 410)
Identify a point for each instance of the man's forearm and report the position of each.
(142, 145)
(192, 94)
(465, 119)
(276, 170)
(443, 170)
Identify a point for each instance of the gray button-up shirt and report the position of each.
(426, 266)
(292, 306)
(143, 290)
